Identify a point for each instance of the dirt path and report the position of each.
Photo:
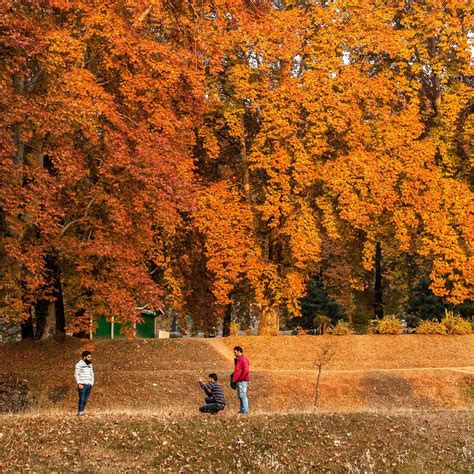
(220, 348)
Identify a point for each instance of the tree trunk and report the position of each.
(270, 318)
(27, 330)
(269, 321)
(378, 300)
(60, 314)
(316, 394)
(227, 320)
(174, 323)
(53, 318)
(49, 327)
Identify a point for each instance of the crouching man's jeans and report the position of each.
(242, 394)
(84, 393)
(211, 406)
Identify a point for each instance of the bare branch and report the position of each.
(326, 353)
(105, 82)
(143, 15)
(154, 270)
(69, 224)
(128, 118)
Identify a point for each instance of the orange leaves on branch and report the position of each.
(315, 132)
(230, 244)
(99, 120)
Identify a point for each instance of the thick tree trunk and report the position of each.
(49, 328)
(53, 318)
(270, 318)
(227, 321)
(269, 321)
(27, 330)
(378, 293)
(50, 319)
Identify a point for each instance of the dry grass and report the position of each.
(161, 376)
(369, 352)
(372, 418)
(304, 442)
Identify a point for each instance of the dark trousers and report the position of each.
(211, 406)
(84, 393)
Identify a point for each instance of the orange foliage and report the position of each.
(98, 126)
(314, 129)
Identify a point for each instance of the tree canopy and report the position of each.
(203, 153)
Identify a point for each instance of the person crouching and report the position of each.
(215, 402)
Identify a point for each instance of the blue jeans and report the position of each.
(242, 394)
(84, 393)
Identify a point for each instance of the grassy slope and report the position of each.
(366, 372)
(146, 397)
(367, 352)
(355, 442)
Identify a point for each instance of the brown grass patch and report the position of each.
(368, 352)
(134, 442)
(156, 375)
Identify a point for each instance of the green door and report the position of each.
(103, 328)
(117, 333)
(146, 329)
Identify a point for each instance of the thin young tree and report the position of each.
(324, 356)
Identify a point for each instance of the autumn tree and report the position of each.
(238, 93)
(316, 120)
(99, 113)
(392, 185)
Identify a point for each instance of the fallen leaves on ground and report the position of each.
(354, 442)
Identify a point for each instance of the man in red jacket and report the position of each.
(241, 378)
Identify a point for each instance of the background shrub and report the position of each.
(299, 331)
(431, 327)
(340, 329)
(451, 324)
(387, 325)
(454, 324)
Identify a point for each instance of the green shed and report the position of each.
(103, 328)
(145, 329)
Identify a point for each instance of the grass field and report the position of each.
(388, 404)
(367, 372)
(329, 442)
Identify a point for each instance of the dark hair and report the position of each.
(238, 349)
(213, 376)
(86, 353)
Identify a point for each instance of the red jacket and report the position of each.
(241, 370)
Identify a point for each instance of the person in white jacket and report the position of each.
(84, 375)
